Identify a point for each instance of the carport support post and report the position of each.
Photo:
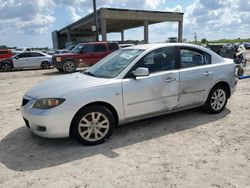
(180, 31)
(122, 36)
(146, 32)
(69, 35)
(104, 29)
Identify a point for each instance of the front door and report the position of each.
(155, 93)
(22, 60)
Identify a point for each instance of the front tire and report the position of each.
(6, 67)
(60, 70)
(217, 100)
(93, 125)
(69, 66)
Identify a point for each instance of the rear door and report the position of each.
(93, 53)
(100, 51)
(36, 59)
(196, 76)
(155, 93)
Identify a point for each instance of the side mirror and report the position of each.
(140, 72)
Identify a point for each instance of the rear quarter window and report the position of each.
(99, 48)
(113, 46)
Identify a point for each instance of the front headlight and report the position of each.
(48, 103)
(58, 59)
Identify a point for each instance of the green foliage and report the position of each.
(204, 41)
(3, 47)
(238, 40)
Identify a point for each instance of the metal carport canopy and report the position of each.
(118, 20)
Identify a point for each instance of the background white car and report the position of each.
(26, 60)
(20, 50)
(129, 84)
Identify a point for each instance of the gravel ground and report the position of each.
(185, 149)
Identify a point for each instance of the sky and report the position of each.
(30, 23)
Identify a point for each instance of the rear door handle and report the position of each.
(207, 73)
(170, 79)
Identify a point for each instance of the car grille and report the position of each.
(26, 122)
(25, 101)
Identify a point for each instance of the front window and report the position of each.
(162, 59)
(78, 48)
(113, 64)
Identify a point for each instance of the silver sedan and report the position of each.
(130, 84)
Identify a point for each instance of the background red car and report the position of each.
(84, 54)
(5, 53)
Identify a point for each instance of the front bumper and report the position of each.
(57, 64)
(50, 123)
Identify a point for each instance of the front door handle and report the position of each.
(207, 73)
(170, 79)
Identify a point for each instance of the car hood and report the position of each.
(65, 84)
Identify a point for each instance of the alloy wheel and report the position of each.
(70, 66)
(93, 126)
(7, 67)
(218, 99)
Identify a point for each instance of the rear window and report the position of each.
(193, 57)
(113, 46)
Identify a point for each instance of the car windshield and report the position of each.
(113, 64)
(77, 49)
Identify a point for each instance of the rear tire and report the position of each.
(45, 65)
(93, 125)
(69, 66)
(217, 100)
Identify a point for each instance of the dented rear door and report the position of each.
(196, 76)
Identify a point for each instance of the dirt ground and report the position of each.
(185, 149)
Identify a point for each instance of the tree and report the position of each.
(204, 41)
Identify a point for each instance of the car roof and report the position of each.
(99, 42)
(159, 45)
(33, 52)
(149, 47)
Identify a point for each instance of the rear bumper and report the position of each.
(233, 88)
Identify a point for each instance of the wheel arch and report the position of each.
(69, 59)
(45, 61)
(100, 103)
(224, 84)
(7, 62)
